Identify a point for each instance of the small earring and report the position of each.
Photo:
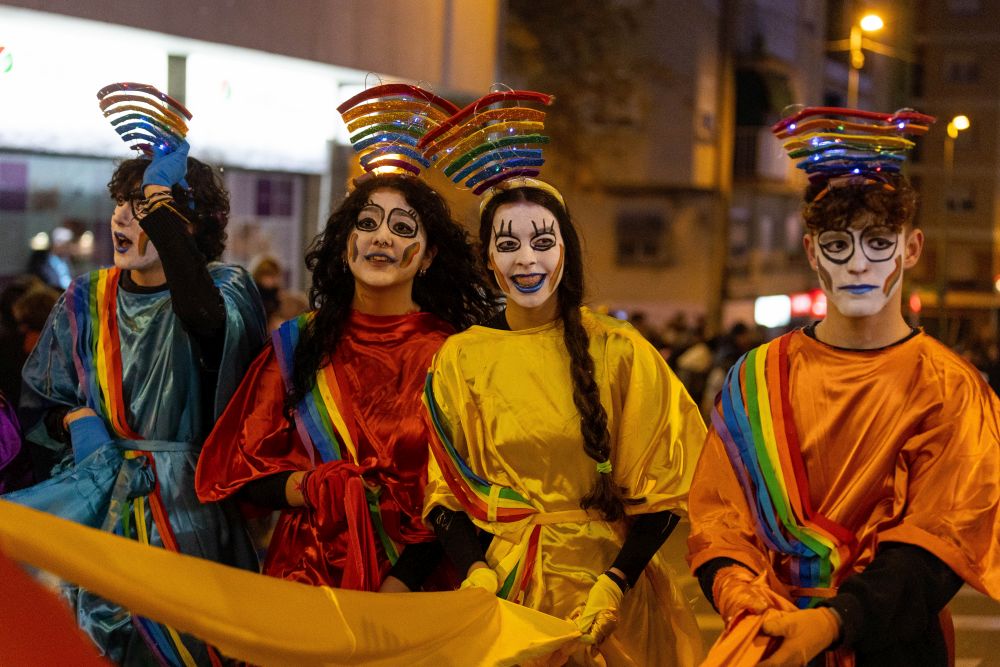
(422, 272)
(344, 267)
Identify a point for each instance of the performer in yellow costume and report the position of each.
(563, 435)
(853, 467)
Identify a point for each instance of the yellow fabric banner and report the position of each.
(269, 621)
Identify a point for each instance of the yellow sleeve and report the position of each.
(445, 424)
(658, 430)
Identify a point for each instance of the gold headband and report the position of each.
(514, 184)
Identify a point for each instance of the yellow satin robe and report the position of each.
(506, 398)
(900, 444)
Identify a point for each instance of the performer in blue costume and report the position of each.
(133, 367)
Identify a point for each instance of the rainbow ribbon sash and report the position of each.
(92, 305)
(93, 316)
(320, 422)
(755, 423)
(482, 499)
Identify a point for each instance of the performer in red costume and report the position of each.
(327, 425)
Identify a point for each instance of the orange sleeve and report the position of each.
(252, 439)
(947, 481)
(721, 522)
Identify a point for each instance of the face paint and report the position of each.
(860, 268)
(526, 253)
(133, 251)
(388, 243)
(409, 252)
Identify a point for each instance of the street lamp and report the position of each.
(856, 45)
(869, 23)
(957, 124)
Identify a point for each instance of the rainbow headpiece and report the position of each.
(489, 143)
(144, 117)
(386, 123)
(840, 146)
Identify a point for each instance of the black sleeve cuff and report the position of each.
(268, 492)
(459, 537)
(645, 536)
(194, 297)
(706, 576)
(416, 563)
(852, 618)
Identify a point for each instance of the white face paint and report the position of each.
(133, 250)
(388, 244)
(860, 268)
(526, 253)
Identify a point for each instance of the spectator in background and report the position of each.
(47, 260)
(11, 338)
(31, 311)
(267, 275)
(728, 349)
(639, 321)
(280, 304)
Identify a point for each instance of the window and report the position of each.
(274, 197)
(961, 198)
(960, 68)
(643, 239)
(963, 7)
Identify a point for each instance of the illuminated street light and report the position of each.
(872, 23)
(856, 45)
(957, 124)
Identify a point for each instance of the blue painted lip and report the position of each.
(528, 290)
(858, 289)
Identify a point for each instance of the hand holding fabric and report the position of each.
(167, 169)
(482, 577)
(599, 616)
(805, 634)
(87, 432)
(331, 491)
(737, 589)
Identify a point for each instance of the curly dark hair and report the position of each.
(604, 495)
(211, 200)
(454, 287)
(839, 207)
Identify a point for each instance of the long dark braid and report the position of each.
(604, 495)
(454, 287)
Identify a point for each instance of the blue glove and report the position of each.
(168, 169)
(88, 434)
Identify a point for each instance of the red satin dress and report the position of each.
(380, 363)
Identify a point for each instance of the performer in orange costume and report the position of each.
(853, 466)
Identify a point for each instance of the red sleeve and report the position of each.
(252, 439)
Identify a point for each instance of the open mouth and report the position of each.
(528, 282)
(122, 242)
(858, 289)
(380, 259)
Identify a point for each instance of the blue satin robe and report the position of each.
(161, 384)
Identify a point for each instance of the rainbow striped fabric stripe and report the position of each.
(482, 499)
(320, 422)
(92, 306)
(755, 422)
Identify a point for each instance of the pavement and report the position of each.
(976, 617)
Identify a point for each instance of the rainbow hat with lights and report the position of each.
(144, 117)
(493, 144)
(386, 123)
(839, 147)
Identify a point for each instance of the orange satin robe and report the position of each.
(382, 362)
(900, 444)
